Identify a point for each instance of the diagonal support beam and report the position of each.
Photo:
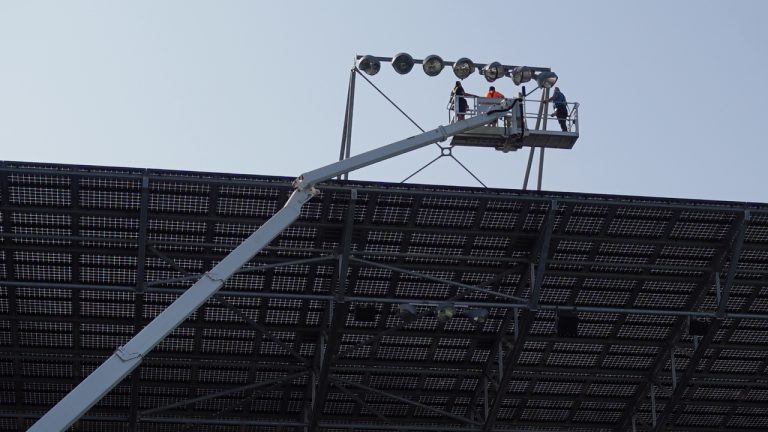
(234, 309)
(511, 316)
(715, 264)
(525, 317)
(525, 321)
(703, 345)
(340, 309)
(439, 280)
(129, 357)
(171, 263)
(738, 244)
(261, 329)
(224, 393)
(682, 382)
(253, 394)
(196, 276)
(405, 400)
(362, 402)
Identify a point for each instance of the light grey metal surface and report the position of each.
(493, 137)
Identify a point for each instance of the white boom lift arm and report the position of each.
(127, 357)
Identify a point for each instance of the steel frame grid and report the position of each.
(59, 318)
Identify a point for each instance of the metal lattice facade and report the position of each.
(91, 254)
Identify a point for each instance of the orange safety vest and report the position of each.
(494, 94)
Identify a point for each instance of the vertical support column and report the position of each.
(138, 306)
(653, 404)
(13, 301)
(541, 168)
(337, 311)
(718, 289)
(673, 367)
(541, 124)
(500, 351)
(545, 97)
(141, 253)
(736, 247)
(702, 343)
(702, 288)
(77, 359)
(538, 278)
(346, 134)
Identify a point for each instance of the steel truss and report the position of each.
(524, 257)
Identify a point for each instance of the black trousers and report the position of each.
(562, 114)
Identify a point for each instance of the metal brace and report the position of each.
(653, 404)
(517, 323)
(125, 355)
(674, 369)
(214, 277)
(718, 290)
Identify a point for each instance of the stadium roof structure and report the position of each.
(605, 313)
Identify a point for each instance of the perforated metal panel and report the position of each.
(91, 254)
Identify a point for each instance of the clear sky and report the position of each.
(672, 100)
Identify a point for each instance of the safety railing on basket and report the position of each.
(546, 118)
(470, 107)
(540, 118)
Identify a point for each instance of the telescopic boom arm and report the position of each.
(127, 357)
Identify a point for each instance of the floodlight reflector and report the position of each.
(493, 71)
(546, 79)
(402, 63)
(463, 68)
(433, 65)
(521, 74)
(369, 64)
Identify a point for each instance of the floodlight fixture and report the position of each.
(521, 74)
(463, 68)
(445, 312)
(402, 63)
(546, 79)
(369, 64)
(407, 312)
(477, 315)
(433, 65)
(494, 71)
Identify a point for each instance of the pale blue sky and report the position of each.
(672, 100)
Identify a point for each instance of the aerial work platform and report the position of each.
(498, 138)
(514, 131)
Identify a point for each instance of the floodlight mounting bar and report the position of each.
(129, 356)
(451, 63)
